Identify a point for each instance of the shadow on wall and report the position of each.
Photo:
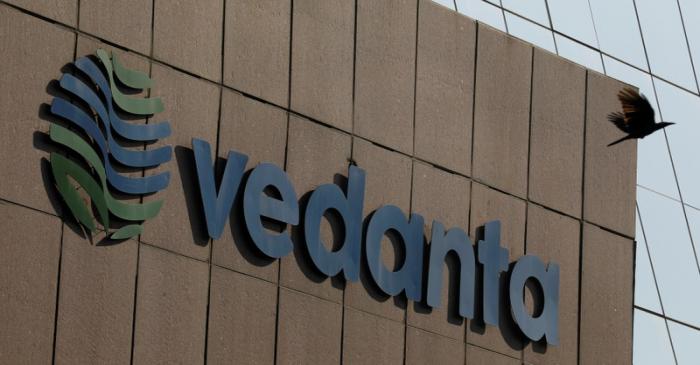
(42, 141)
(190, 187)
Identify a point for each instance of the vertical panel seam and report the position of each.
(410, 200)
(286, 157)
(582, 221)
(529, 157)
(143, 173)
(58, 296)
(216, 162)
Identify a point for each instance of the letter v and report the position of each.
(217, 207)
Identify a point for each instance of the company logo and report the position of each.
(93, 178)
(364, 244)
(97, 173)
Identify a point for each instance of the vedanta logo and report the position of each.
(94, 166)
(94, 158)
(269, 196)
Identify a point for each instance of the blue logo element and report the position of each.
(93, 124)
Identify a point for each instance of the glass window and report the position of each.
(665, 41)
(671, 255)
(535, 10)
(683, 108)
(618, 30)
(685, 342)
(651, 343)
(691, 17)
(447, 3)
(579, 53)
(654, 169)
(693, 215)
(632, 76)
(645, 294)
(482, 11)
(573, 18)
(530, 32)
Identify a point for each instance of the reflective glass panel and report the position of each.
(654, 168)
(691, 17)
(651, 343)
(573, 18)
(618, 30)
(686, 343)
(671, 255)
(632, 76)
(482, 11)
(446, 3)
(579, 53)
(683, 108)
(665, 41)
(530, 32)
(535, 10)
(645, 294)
(693, 215)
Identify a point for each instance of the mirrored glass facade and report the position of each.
(654, 45)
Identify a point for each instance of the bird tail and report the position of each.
(620, 140)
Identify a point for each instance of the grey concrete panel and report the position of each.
(256, 51)
(309, 330)
(191, 107)
(489, 205)
(317, 155)
(439, 195)
(369, 339)
(322, 60)
(127, 23)
(610, 172)
(171, 308)
(501, 111)
(445, 87)
(28, 284)
(388, 182)
(606, 297)
(34, 53)
(258, 130)
(478, 355)
(64, 11)
(555, 238)
(385, 72)
(96, 301)
(188, 35)
(242, 315)
(426, 347)
(556, 145)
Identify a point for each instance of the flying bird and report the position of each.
(637, 117)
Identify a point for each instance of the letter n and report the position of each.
(441, 244)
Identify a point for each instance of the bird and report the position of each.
(637, 117)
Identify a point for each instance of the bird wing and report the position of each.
(618, 119)
(636, 109)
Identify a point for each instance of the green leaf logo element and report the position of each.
(92, 151)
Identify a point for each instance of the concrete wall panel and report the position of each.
(256, 51)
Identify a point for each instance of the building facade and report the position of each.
(654, 45)
(448, 117)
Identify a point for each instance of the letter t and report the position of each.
(494, 258)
